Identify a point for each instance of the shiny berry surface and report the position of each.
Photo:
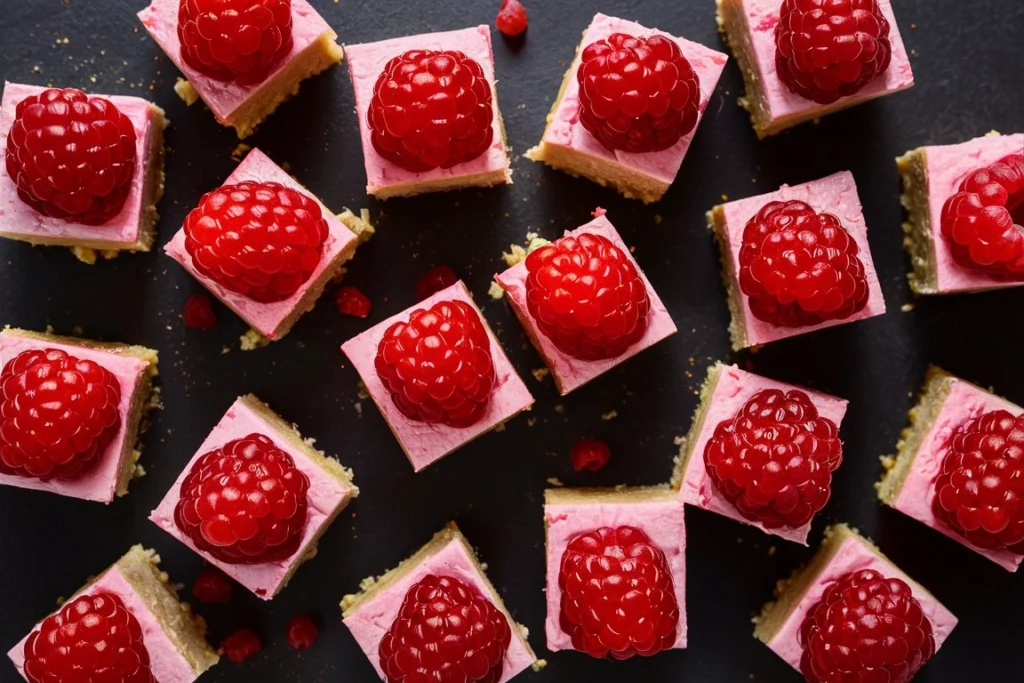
(589, 454)
(199, 313)
(302, 632)
(351, 301)
(72, 156)
(512, 19)
(213, 586)
(434, 280)
(241, 645)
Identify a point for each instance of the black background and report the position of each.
(967, 59)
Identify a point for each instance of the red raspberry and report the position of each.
(979, 224)
(92, 639)
(774, 460)
(800, 267)
(235, 40)
(260, 240)
(302, 632)
(512, 19)
(445, 631)
(438, 365)
(587, 297)
(980, 489)
(827, 49)
(241, 645)
(865, 628)
(72, 156)
(637, 94)
(618, 599)
(57, 414)
(244, 503)
(213, 586)
(199, 313)
(431, 109)
(351, 301)
(434, 280)
(591, 454)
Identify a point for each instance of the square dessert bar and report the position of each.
(835, 194)
(931, 175)
(722, 397)
(748, 27)
(134, 367)
(133, 229)
(568, 372)
(243, 107)
(330, 489)
(946, 404)
(568, 146)
(173, 636)
(423, 442)
(386, 179)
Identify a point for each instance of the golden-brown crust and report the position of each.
(696, 426)
(609, 496)
(918, 238)
(737, 328)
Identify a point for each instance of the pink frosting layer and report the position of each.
(835, 194)
(763, 16)
(326, 495)
(565, 129)
(964, 403)
(266, 318)
(422, 442)
(167, 664)
(371, 620)
(19, 218)
(572, 373)
(854, 556)
(224, 98)
(100, 484)
(365, 64)
(734, 388)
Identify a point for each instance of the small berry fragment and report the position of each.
(591, 454)
(302, 632)
(512, 19)
(213, 586)
(199, 313)
(352, 301)
(240, 645)
(434, 280)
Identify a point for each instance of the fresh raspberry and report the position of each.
(800, 267)
(244, 503)
(637, 94)
(260, 240)
(302, 632)
(352, 301)
(438, 365)
(235, 40)
(587, 297)
(979, 223)
(92, 639)
(827, 49)
(618, 598)
(72, 156)
(58, 414)
(866, 628)
(512, 19)
(431, 110)
(591, 454)
(213, 586)
(774, 460)
(199, 313)
(445, 631)
(980, 489)
(241, 645)
(434, 280)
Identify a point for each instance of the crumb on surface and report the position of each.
(240, 150)
(253, 340)
(907, 308)
(539, 665)
(540, 373)
(360, 225)
(186, 92)
(361, 390)
(555, 481)
(495, 291)
(610, 415)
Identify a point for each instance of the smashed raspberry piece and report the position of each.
(260, 240)
(866, 627)
(213, 586)
(235, 40)
(591, 454)
(58, 414)
(438, 365)
(434, 280)
(431, 110)
(92, 639)
(302, 632)
(199, 313)
(244, 503)
(240, 645)
(512, 19)
(825, 49)
(637, 94)
(587, 297)
(800, 267)
(352, 301)
(72, 156)
(618, 598)
(445, 631)
(979, 492)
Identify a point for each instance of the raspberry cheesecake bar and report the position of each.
(71, 412)
(255, 498)
(242, 57)
(585, 304)
(796, 260)
(125, 626)
(438, 375)
(851, 614)
(411, 143)
(434, 615)
(966, 208)
(761, 452)
(959, 468)
(804, 59)
(82, 171)
(634, 139)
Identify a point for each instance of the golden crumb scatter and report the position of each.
(253, 340)
(361, 390)
(240, 150)
(515, 254)
(540, 373)
(495, 291)
(225, 350)
(610, 415)
(559, 408)
(500, 428)
(907, 308)
(555, 481)
(771, 550)
(539, 665)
